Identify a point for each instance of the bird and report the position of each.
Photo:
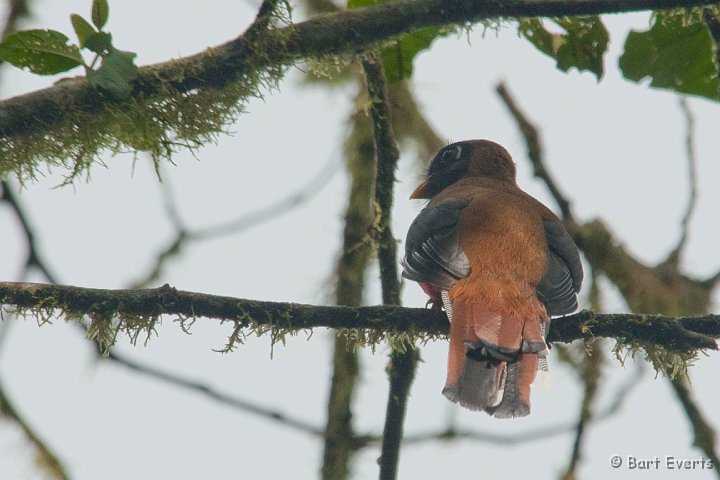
(500, 263)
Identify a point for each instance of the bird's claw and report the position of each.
(434, 304)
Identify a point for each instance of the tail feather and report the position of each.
(480, 385)
(516, 396)
(492, 360)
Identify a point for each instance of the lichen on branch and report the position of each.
(186, 103)
(179, 104)
(136, 312)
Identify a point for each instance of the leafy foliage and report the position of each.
(82, 28)
(100, 13)
(47, 52)
(99, 42)
(582, 46)
(398, 57)
(676, 53)
(115, 73)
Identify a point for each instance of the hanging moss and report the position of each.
(167, 118)
(672, 363)
(160, 125)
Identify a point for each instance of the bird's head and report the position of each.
(471, 158)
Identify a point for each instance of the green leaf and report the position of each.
(45, 52)
(100, 43)
(100, 12)
(534, 31)
(399, 56)
(676, 54)
(82, 28)
(115, 74)
(582, 46)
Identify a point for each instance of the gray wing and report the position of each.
(564, 275)
(432, 251)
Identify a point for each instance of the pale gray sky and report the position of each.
(617, 150)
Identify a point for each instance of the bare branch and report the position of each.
(184, 235)
(216, 395)
(658, 289)
(590, 375)
(273, 210)
(33, 258)
(410, 125)
(535, 152)
(45, 458)
(339, 434)
(18, 10)
(674, 256)
(645, 288)
(704, 433)
(453, 433)
(363, 441)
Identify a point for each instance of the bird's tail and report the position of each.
(493, 360)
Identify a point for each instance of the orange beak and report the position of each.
(420, 191)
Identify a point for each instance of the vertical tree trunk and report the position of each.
(356, 250)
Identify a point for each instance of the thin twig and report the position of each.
(650, 289)
(645, 288)
(46, 460)
(704, 433)
(535, 151)
(184, 235)
(501, 439)
(223, 398)
(18, 10)
(593, 360)
(273, 210)
(33, 257)
(674, 256)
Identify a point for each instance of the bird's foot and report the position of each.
(434, 304)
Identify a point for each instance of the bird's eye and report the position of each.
(452, 153)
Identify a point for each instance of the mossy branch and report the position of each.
(387, 155)
(403, 362)
(133, 310)
(186, 102)
(355, 255)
